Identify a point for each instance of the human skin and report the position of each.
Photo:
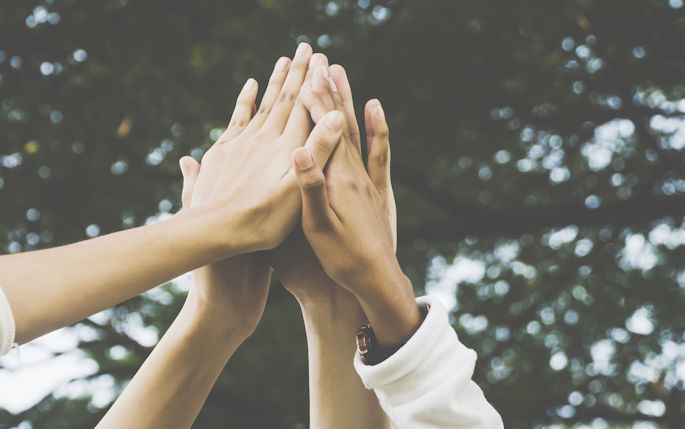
(337, 397)
(344, 218)
(245, 199)
(224, 305)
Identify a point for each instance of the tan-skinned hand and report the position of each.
(294, 260)
(345, 214)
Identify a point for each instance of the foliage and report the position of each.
(542, 139)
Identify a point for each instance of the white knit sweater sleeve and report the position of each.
(427, 383)
(6, 325)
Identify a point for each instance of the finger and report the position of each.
(190, 170)
(270, 96)
(339, 77)
(313, 104)
(378, 144)
(316, 212)
(243, 110)
(325, 137)
(378, 164)
(278, 118)
(298, 126)
(321, 84)
(317, 96)
(317, 60)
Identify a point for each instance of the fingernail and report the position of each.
(324, 71)
(183, 166)
(334, 87)
(301, 49)
(380, 113)
(249, 84)
(302, 159)
(334, 120)
(281, 64)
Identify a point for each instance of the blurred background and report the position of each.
(538, 162)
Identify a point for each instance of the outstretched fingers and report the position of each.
(318, 96)
(344, 91)
(278, 77)
(244, 110)
(287, 97)
(298, 126)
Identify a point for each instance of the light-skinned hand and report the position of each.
(247, 180)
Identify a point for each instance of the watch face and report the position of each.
(365, 339)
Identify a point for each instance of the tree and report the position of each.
(540, 140)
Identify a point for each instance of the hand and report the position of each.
(345, 214)
(295, 262)
(233, 291)
(247, 178)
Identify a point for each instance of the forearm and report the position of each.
(173, 383)
(72, 282)
(338, 399)
(387, 298)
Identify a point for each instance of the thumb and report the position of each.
(324, 138)
(190, 170)
(316, 211)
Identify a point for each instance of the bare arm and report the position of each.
(426, 379)
(224, 306)
(245, 200)
(332, 315)
(172, 385)
(337, 397)
(48, 289)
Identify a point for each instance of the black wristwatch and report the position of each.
(367, 344)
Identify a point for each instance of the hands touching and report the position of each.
(232, 291)
(255, 202)
(345, 211)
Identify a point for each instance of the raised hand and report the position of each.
(294, 261)
(246, 178)
(331, 313)
(232, 291)
(345, 213)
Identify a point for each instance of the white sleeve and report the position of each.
(427, 383)
(6, 325)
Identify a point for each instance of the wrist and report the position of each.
(225, 231)
(204, 226)
(333, 310)
(390, 306)
(210, 322)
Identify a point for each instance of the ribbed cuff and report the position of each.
(6, 325)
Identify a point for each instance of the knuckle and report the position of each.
(244, 102)
(317, 225)
(313, 182)
(348, 181)
(264, 110)
(288, 95)
(383, 133)
(352, 135)
(382, 160)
